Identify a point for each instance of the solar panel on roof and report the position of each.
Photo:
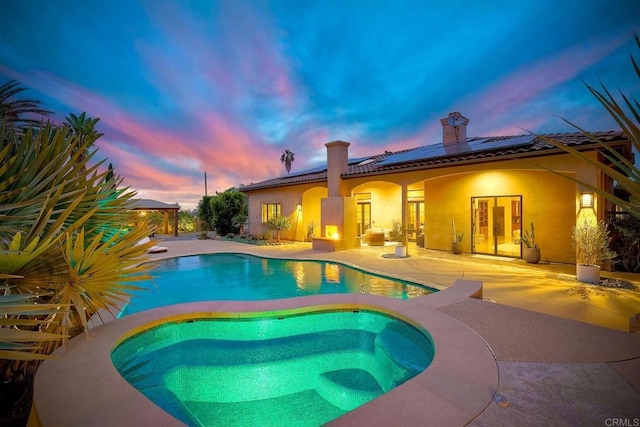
(508, 142)
(439, 150)
(307, 171)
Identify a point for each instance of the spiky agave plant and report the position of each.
(622, 169)
(65, 248)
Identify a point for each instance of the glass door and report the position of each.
(415, 225)
(496, 224)
(363, 217)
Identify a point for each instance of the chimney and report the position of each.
(454, 129)
(337, 164)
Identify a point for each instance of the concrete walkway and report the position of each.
(548, 349)
(543, 288)
(563, 350)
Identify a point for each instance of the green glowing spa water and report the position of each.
(298, 370)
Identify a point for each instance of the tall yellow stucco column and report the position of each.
(338, 209)
(337, 164)
(405, 216)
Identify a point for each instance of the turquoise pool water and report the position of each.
(297, 370)
(241, 277)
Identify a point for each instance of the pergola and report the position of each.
(154, 205)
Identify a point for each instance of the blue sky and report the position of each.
(183, 87)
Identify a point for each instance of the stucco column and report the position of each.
(405, 216)
(337, 164)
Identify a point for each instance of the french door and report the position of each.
(363, 217)
(416, 219)
(496, 225)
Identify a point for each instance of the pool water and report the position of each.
(272, 370)
(241, 277)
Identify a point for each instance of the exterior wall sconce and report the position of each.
(586, 200)
(299, 207)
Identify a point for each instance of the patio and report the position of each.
(560, 347)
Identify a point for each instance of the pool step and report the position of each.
(406, 348)
(348, 388)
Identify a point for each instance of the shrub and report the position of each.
(627, 243)
(265, 235)
(591, 241)
(186, 222)
(396, 231)
(229, 211)
(279, 224)
(205, 213)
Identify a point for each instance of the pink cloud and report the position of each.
(214, 143)
(232, 149)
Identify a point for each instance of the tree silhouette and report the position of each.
(18, 113)
(287, 158)
(83, 128)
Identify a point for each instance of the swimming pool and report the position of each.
(277, 370)
(241, 277)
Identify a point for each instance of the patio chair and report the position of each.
(153, 249)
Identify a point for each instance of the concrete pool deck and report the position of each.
(554, 348)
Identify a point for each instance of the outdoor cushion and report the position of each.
(153, 249)
(374, 238)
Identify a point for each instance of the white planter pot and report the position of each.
(588, 273)
(401, 251)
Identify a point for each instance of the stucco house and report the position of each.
(493, 188)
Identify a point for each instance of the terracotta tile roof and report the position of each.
(299, 178)
(476, 149)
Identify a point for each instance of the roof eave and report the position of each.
(543, 152)
(281, 184)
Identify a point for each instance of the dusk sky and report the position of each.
(184, 87)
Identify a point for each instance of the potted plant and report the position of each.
(420, 236)
(591, 242)
(531, 252)
(398, 234)
(310, 232)
(456, 244)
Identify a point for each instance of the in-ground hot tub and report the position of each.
(265, 369)
(82, 386)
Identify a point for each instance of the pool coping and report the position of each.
(82, 387)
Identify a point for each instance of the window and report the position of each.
(270, 210)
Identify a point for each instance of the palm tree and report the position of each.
(18, 113)
(287, 158)
(83, 128)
